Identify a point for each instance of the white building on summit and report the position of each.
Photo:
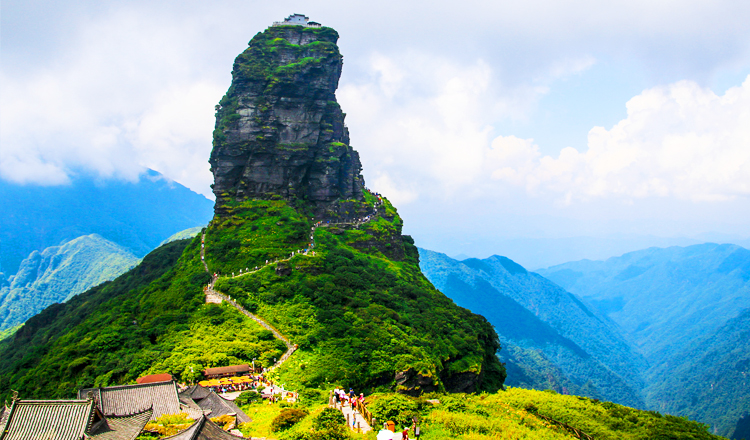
(297, 20)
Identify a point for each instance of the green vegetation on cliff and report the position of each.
(360, 309)
(270, 63)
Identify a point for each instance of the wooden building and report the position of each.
(211, 403)
(231, 370)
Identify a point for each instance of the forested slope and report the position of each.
(554, 340)
(683, 308)
(58, 273)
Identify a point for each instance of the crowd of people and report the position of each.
(243, 383)
(348, 399)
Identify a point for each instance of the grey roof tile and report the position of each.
(220, 406)
(203, 429)
(49, 419)
(126, 400)
(122, 428)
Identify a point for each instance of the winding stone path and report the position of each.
(354, 419)
(214, 296)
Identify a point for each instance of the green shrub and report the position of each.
(248, 397)
(312, 396)
(287, 418)
(330, 418)
(396, 407)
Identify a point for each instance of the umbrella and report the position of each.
(214, 383)
(385, 434)
(203, 383)
(236, 379)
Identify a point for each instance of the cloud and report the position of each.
(428, 120)
(115, 87)
(125, 98)
(680, 140)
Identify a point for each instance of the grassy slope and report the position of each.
(528, 414)
(512, 414)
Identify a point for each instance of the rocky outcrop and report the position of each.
(279, 130)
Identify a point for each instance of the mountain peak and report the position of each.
(279, 131)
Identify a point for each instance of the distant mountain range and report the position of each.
(686, 309)
(56, 242)
(135, 215)
(550, 339)
(663, 329)
(58, 273)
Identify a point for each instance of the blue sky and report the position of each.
(545, 131)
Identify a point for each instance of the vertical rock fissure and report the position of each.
(279, 130)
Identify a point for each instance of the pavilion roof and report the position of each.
(220, 406)
(211, 403)
(128, 400)
(203, 429)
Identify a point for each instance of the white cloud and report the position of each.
(115, 87)
(397, 193)
(680, 141)
(428, 120)
(125, 98)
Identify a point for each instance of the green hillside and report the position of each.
(359, 317)
(714, 385)
(58, 273)
(360, 309)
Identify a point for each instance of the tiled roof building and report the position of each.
(127, 400)
(66, 420)
(203, 429)
(122, 428)
(211, 403)
(54, 419)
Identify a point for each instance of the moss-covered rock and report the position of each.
(279, 130)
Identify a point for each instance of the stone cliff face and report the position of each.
(279, 130)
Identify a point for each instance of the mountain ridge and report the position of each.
(58, 273)
(675, 305)
(531, 312)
